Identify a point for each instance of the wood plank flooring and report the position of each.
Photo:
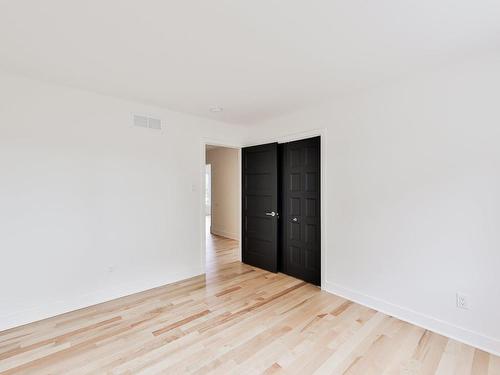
(236, 320)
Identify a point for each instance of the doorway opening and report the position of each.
(222, 206)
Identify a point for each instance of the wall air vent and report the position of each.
(147, 122)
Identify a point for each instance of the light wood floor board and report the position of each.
(235, 320)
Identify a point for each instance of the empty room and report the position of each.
(250, 187)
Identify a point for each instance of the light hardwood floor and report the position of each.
(238, 319)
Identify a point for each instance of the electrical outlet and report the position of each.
(111, 269)
(462, 301)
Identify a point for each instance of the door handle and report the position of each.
(273, 214)
(295, 219)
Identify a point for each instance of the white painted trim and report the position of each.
(223, 233)
(474, 339)
(53, 308)
(289, 137)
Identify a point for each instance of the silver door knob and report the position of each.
(295, 219)
(271, 214)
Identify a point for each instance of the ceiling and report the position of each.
(256, 59)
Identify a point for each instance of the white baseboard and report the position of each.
(223, 233)
(475, 339)
(54, 308)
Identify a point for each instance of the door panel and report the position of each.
(260, 196)
(301, 210)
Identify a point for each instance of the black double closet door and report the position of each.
(281, 228)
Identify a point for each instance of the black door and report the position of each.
(301, 210)
(260, 206)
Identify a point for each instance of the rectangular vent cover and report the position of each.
(147, 122)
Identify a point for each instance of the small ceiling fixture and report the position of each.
(216, 109)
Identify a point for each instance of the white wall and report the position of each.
(225, 191)
(413, 197)
(83, 193)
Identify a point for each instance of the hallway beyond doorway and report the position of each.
(220, 250)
